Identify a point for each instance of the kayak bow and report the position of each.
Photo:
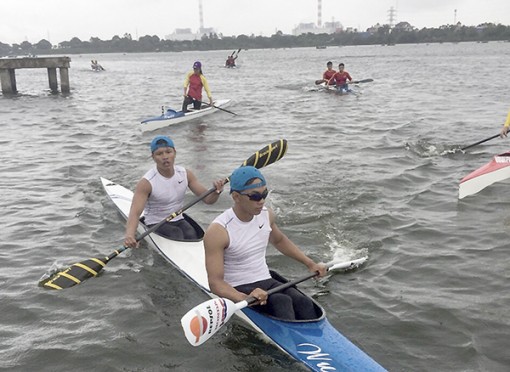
(498, 169)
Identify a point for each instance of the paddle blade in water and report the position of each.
(268, 155)
(204, 320)
(75, 274)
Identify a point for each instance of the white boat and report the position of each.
(171, 117)
(498, 169)
(315, 343)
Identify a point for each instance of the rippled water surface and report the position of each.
(374, 173)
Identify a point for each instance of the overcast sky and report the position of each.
(60, 20)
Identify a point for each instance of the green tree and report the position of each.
(26, 47)
(43, 45)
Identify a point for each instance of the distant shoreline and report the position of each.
(383, 35)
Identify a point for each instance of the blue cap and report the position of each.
(161, 141)
(197, 64)
(242, 177)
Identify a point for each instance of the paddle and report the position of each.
(204, 320)
(479, 142)
(234, 52)
(78, 272)
(318, 82)
(361, 81)
(217, 107)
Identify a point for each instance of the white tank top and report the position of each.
(245, 257)
(167, 195)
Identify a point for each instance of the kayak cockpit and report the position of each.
(198, 230)
(319, 310)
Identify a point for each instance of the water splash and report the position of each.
(425, 149)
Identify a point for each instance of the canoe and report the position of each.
(315, 343)
(171, 117)
(498, 169)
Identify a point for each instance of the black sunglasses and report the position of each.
(257, 196)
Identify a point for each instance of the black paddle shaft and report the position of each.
(216, 107)
(479, 142)
(252, 300)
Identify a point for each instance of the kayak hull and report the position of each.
(334, 89)
(172, 117)
(315, 343)
(498, 169)
(186, 256)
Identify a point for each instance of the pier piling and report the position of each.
(9, 65)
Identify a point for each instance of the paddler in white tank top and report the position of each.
(161, 192)
(235, 251)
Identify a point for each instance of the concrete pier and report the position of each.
(8, 67)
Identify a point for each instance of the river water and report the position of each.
(374, 173)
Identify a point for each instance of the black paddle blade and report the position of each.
(268, 155)
(363, 81)
(81, 271)
(76, 274)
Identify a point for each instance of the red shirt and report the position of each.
(328, 74)
(340, 78)
(195, 87)
(231, 61)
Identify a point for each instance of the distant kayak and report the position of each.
(171, 117)
(334, 89)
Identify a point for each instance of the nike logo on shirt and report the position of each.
(261, 226)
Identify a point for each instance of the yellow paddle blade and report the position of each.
(75, 274)
(268, 155)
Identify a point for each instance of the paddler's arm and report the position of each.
(206, 88)
(324, 78)
(216, 240)
(142, 191)
(186, 83)
(281, 242)
(198, 189)
(504, 130)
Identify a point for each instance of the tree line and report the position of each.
(403, 34)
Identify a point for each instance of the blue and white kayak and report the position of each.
(315, 343)
(171, 117)
(341, 91)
